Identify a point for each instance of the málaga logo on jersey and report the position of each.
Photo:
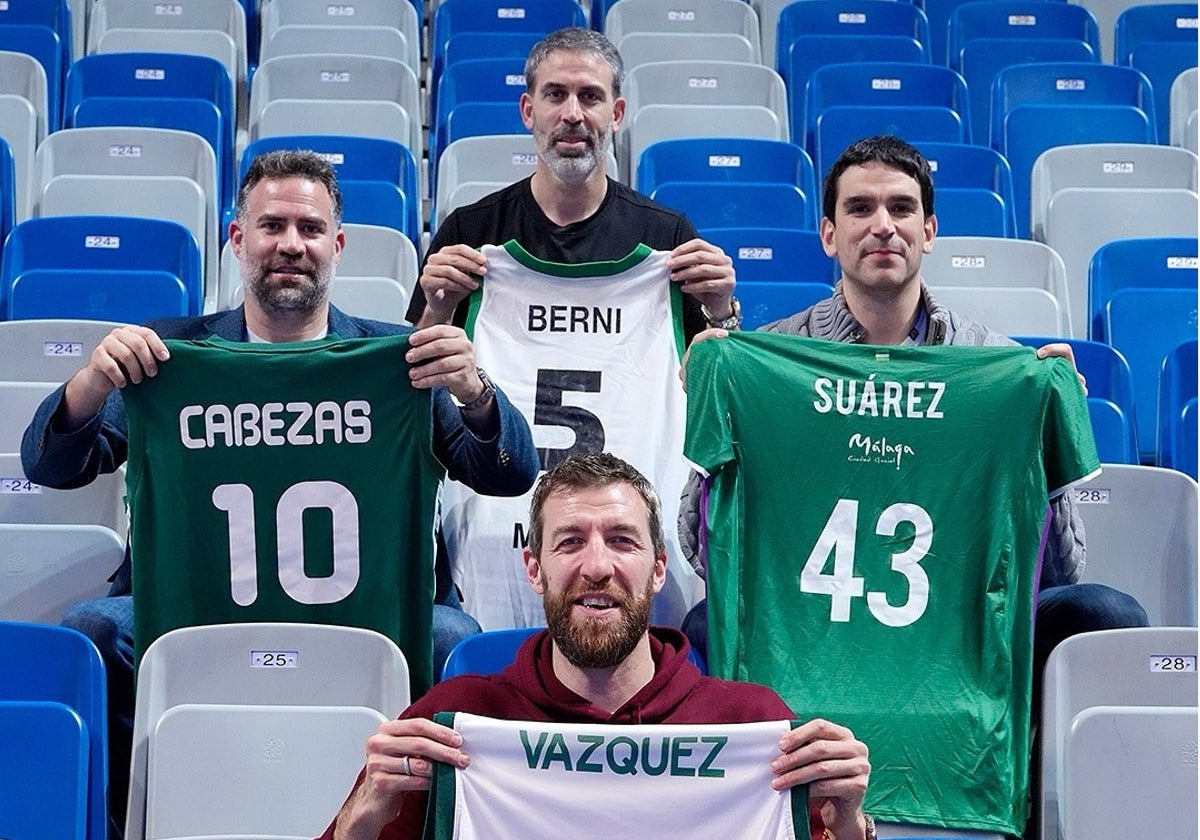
(866, 449)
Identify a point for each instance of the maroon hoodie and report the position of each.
(528, 690)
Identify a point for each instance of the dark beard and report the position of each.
(598, 644)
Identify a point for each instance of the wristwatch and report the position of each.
(733, 322)
(489, 391)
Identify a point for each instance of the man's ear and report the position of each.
(533, 571)
(525, 104)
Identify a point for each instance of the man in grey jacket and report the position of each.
(878, 222)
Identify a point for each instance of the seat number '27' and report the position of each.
(840, 536)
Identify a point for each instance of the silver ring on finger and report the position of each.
(407, 767)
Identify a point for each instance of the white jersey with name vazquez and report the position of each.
(547, 781)
(590, 354)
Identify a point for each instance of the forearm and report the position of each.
(501, 461)
(62, 459)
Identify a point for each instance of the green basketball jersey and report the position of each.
(284, 482)
(874, 525)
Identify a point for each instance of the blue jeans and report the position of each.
(108, 622)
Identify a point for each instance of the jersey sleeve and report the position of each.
(1067, 443)
(709, 441)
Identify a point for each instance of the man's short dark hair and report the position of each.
(891, 152)
(580, 472)
(575, 39)
(290, 163)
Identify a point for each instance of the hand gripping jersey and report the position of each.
(590, 355)
(874, 525)
(548, 781)
(284, 482)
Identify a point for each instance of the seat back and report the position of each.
(401, 16)
(1159, 262)
(50, 568)
(1132, 667)
(705, 17)
(254, 759)
(18, 402)
(1021, 20)
(44, 762)
(664, 122)
(99, 503)
(763, 303)
(1116, 754)
(986, 262)
(1183, 107)
(1177, 409)
(261, 664)
(839, 126)
(886, 84)
(48, 663)
(115, 268)
(44, 45)
(1146, 325)
(706, 82)
(725, 160)
(974, 190)
(1011, 310)
(767, 255)
(755, 205)
(1141, 530)
(20, 124)
(51, 350)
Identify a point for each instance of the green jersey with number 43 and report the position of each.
(874, 523)
(284, 482)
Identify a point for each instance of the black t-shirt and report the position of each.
(625, 220)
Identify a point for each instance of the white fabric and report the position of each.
(625, 337)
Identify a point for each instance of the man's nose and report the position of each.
(289, 241)
(595, 561)
(573, 112)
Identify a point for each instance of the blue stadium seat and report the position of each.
(356, 159)
(495, 80)
(1038, 106)
(1162, 63)
(725, 159)
(974, 189)
(157, 76)
(44, 764)
(1146, 325)
(719, 205)
(54, 664)
(8, 192)
(1177, 409)
(493, 650)
(382, 204)
(105, 268)
(474, 119)
(1153, 23)
(1112, 431)
(891, 84)
(1167, 262)
(854, 18)
(810, 52)
(1020, 20)
(982, 58)
(495, 17)
(771, 255)
(1108, 380)
(42, 43)
(763, 303)
(839, 126)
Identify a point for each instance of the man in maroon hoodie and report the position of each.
(596, 555)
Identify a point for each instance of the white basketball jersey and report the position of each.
(547, 781)
(590, 354)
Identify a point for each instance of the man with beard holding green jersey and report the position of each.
(596, 555)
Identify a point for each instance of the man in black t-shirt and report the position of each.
(569, 210)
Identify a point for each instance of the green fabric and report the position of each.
(816, 516)
(200, 490)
